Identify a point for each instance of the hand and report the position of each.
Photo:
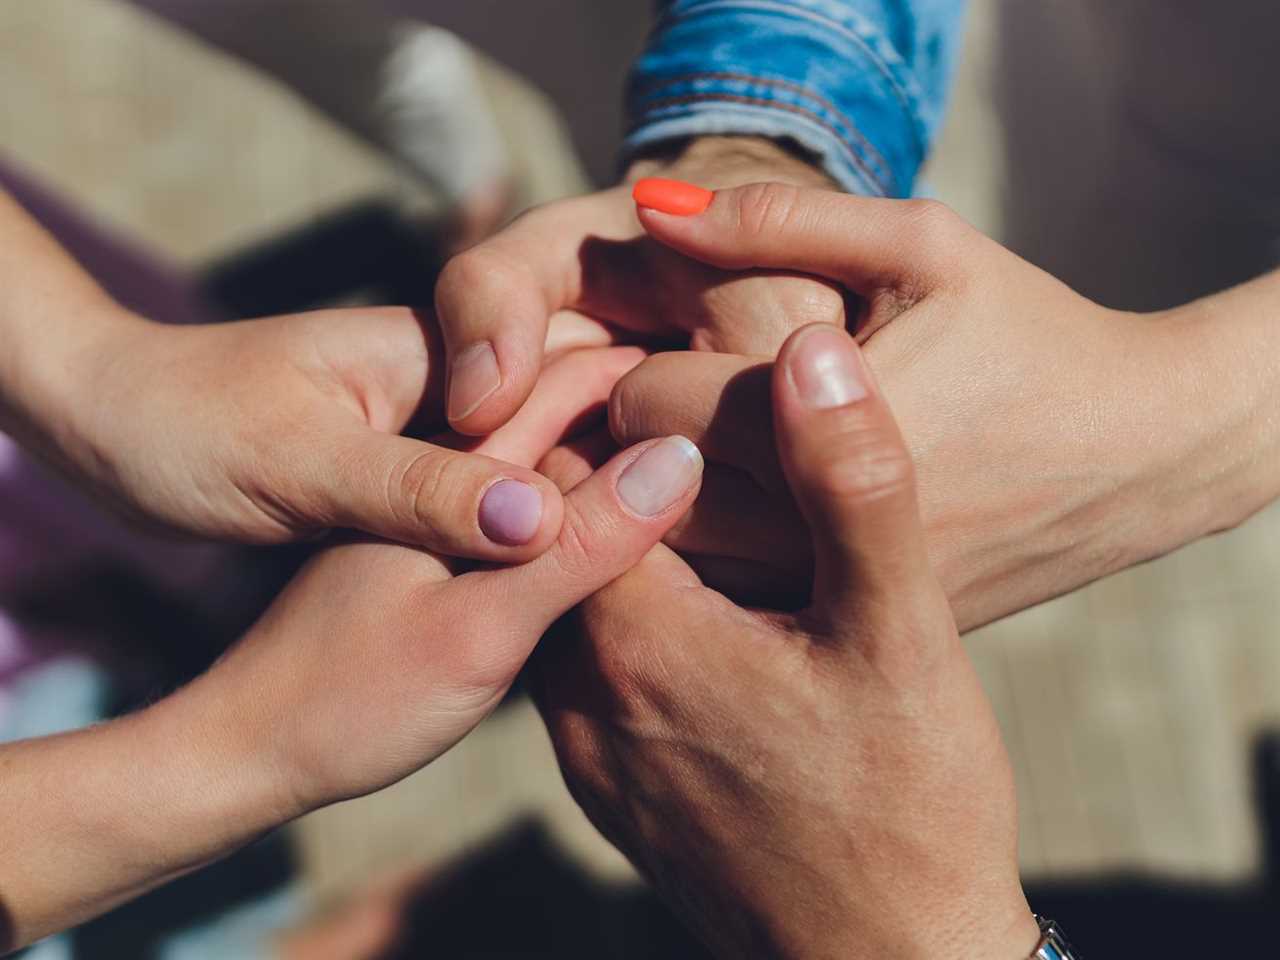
(374, 661)
(264, 431)
(1055, 439)
(588, 256)
(825, 784)
(380, 657)
(271, 430)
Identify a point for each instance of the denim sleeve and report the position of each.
(859, 83)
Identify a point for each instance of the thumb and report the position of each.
(453, 503)
(851, 473)
(611, 520)
(862, 243)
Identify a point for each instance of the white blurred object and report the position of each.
(438, 117)
(416, 92)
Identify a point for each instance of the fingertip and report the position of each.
(659, 478)
(510, 512)
(488, 384)
(675, 198)
(821, 367)
(519, 517)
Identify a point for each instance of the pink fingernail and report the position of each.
(826, 370)
(661, 476)
(511, 513)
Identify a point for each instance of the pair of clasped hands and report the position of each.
(761, 697)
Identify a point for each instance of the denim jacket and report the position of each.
(859, 83)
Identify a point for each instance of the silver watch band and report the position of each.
(1053, 943)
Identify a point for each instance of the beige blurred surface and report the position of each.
(1128, 707)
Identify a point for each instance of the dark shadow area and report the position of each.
(785, 583)
(1135, 915)
(367, 250)
(549, 908)
(137, 930)
(150, 639)
(520, 898)
(8, 932)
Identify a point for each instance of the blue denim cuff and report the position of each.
(860, 84)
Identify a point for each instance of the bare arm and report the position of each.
(260, 431)
(372, 663)
(1057, 441)
(97, 817)
(53, 320)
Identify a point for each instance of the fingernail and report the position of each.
(474, 376)
(826, 369)
(660, 476)
(511, 513)
(672, 196)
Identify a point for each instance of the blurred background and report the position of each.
(208, 161)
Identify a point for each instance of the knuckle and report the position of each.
(582, 548)
(622, 401)
(629, 404)
(931, 216)
(932, 227)
(930, 237)
(481, 268)
(641, 400)
(870, 463)
(564, 468)
(432, 485)
(816, 302)
(482, 663)
(766, 210)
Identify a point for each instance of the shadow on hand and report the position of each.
(673, 302)
(744, 416)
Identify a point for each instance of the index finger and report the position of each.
(494, 303)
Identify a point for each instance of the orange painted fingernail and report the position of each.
(675, 197)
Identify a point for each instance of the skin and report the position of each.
(1070, 489)
(1121, 436)
(589, 259)
(392, 651)
(829, 783)
(263, 431)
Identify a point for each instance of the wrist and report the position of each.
(721, 162)
(50, 381)
(1012, 933)
(226, 792)
(98, 816)
(236, 737)
(1228, 391)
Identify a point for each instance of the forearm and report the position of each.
(94, 818)
(54, 323)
